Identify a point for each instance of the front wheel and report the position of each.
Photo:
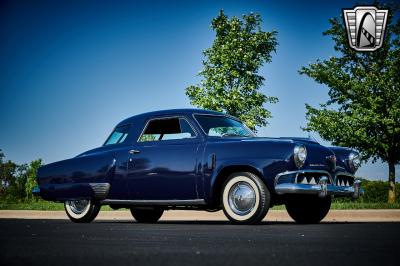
(245, 198)
(308, 209)
(81, 211)
(151, 215)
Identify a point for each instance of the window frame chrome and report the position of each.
(165, 118)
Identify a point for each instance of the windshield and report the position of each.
(223, 126)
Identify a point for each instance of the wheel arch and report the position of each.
(223, 175)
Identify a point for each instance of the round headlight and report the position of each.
(354, 161)
(300, 155)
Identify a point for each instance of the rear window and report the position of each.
(118, 135)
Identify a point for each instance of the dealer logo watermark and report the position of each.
(365, 27)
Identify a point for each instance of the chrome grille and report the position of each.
(310, 179)
(344, 181)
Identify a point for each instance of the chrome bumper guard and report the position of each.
(322, 188)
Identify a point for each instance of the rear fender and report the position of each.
(76, 178)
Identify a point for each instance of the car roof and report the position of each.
(187, 111)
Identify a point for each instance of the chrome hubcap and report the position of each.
(242, 198)
(78, 206)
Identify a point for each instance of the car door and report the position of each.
(118, 157)
(163, 163)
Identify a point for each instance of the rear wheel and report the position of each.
(245, 198)
(151, 215)
(308, 209)
(81, 211)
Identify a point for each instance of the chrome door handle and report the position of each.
(134, 151)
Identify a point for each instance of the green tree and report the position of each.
(363, 111)
(17, 189)
(7, 173)
(17, 181)
(31, 178)
(231, 81)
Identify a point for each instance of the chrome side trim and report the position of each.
(155, 202)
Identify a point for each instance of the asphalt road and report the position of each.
(60, 242)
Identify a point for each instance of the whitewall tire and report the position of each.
(245, 198)
(81, 211)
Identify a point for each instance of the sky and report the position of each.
(71, 70)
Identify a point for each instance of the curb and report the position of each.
(272, 216)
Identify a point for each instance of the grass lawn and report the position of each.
(354, 206)
(52, 206)
(39, 205)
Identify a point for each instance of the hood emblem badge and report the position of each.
(316, 164)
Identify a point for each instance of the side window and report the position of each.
(167, 129)
(118, 135)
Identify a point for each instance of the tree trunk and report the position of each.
(392, 184)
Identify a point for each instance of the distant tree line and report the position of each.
(17, 180)
(375, 192)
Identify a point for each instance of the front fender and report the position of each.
(236, 164)
(266, 169)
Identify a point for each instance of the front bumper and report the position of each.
(322, 186)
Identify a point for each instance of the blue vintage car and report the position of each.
(202, 160)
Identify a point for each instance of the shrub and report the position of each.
(375, 192)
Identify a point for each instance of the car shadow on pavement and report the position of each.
(211, 222)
